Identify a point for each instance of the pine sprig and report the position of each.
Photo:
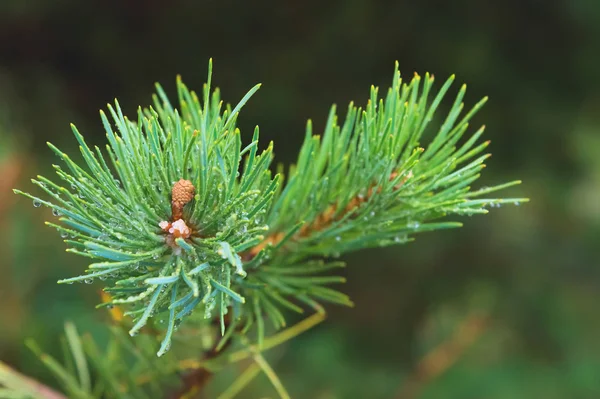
(178, 215)
(368, 183)
(114, 210)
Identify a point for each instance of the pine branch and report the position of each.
(324, 219)
(187, 227)
(442, 357)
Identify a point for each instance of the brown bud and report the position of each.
(182, 193)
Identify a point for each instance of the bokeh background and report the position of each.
(506, 307)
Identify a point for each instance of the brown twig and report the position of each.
(325, 218)
(444, 356)
(194, 381)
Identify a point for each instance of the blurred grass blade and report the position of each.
(68, 381)
(79, 356)
(21, 386)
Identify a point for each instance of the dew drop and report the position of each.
(55, 212)
(64, 234)
(37, 203)
(88, 280)
(401, 239)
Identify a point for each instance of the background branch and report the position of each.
(443, 356)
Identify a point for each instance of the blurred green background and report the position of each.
(506, 307)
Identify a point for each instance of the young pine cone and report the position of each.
(183, 192)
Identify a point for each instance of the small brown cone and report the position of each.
(183, 192)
